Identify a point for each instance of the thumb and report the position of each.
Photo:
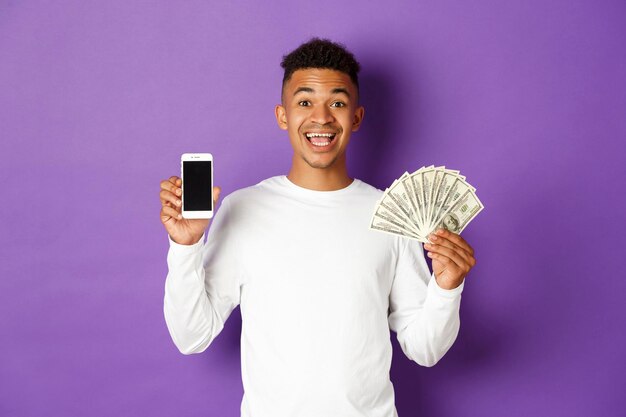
(216, 195)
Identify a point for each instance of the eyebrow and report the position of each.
(338, 90)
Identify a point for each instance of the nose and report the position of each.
(322, 115)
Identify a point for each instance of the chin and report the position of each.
(321, 164)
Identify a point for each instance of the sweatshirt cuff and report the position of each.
(177, 248)
(435, 289)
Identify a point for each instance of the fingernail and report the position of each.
(433, 237)
(179, 216)
(178, 202)
(440, 231)
(178, 191)
(430, 255)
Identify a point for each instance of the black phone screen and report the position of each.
(197, 191)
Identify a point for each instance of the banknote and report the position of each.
(383, 226)
(418, 203)
(461, 213)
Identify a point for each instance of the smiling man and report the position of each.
(319, 110)
(318, 291)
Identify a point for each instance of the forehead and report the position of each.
(321, 80)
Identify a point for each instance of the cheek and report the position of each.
(347, 117)
(294, 123)
(294, 130)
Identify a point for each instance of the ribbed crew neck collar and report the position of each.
(307, 191)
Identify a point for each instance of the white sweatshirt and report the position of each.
(318, 293)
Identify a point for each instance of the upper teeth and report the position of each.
(326, 135)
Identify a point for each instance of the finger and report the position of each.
(178, 182)
(172, 185)
(167, 204)
(452, 255)
(168, 213)
(440, 240)
(168, 197)
(448, 265)
(467, 258)
(456, 239)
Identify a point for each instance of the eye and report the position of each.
(304, 103)
(338, 104)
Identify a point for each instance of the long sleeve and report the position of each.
(202, 286)
(424, 315)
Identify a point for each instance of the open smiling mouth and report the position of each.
(320, 139)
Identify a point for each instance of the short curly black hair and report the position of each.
(321, 53)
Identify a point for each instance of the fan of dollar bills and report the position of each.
(430, 198)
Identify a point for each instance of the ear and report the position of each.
(281, 116)
(358, 118)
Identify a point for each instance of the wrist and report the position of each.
(446, 284)
(187, 241)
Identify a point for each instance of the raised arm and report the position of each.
(424, 315)
(200, 290)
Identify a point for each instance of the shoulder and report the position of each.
(367, 191)
(364, 195)
(253, 194)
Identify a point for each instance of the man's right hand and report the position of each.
(182, 231)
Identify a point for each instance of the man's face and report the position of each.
(319, 111)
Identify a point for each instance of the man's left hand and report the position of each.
(452, 258)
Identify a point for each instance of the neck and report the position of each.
(332, 178)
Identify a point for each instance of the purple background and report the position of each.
(98, 101)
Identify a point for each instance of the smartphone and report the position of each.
(196, 172)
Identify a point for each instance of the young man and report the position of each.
(318, 290)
